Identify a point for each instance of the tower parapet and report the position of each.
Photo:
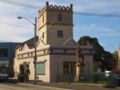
(58, 8)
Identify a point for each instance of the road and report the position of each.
(7, 86)
(19, 86)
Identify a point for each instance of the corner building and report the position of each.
(56, 49)
(119, 59)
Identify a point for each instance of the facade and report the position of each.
(7, 54)
(56, 49)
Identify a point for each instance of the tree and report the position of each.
(115, 61)
(100, 55)
(115, 55)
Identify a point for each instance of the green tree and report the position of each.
(100, 55)
(115, 55)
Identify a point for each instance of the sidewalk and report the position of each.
(73, 86)
(43, 86)
(67, 85)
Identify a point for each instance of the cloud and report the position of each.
(16, 30)
(97, 6)
(93, 6)
(95, 30)
(107, 37)
(13, 29)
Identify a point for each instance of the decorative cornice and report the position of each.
(45, 24)
(55, 51)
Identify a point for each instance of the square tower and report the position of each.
(55, 24)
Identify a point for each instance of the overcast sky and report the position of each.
(106, 29)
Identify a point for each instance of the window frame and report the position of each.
(43, 35)
(4, 52)
(70, 69)
(60, 17)
(60, 34)
(40, 73)
(43, 19)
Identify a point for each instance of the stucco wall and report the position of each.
(88, 67)
(45, 78)
(56, 64)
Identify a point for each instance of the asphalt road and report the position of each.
(22, 86)
(7, 86)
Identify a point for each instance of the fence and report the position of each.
(65, 78)
(96, 78)
(103, 78)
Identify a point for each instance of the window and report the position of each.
(4, 52)
(40, 68)
(43, 35)
(60, 34)
(28, 54)
(69, 68)
(60, 17)
(31, 53)
(65, 68)
(43, 19)
(18, 56)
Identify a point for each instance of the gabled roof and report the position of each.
(70, 42)
(29, 43)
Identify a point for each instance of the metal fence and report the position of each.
(96, 78)
(65, 78)
(105, 78)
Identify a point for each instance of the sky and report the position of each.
(105, 28)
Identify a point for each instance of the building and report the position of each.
(119, 59)
(56, 49)
(7, 54)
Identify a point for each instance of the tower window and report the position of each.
(60, 17)
(60, 34)
(43, 18)
(43, 35)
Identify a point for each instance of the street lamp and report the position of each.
(35, 39)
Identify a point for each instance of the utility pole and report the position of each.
(35, 51)
(35, 40)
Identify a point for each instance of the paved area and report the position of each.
(24, 86)
(8, 86)
(80, 86)
(15, 85)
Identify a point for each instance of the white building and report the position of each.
(56, 49)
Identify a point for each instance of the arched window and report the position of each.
(60, 17)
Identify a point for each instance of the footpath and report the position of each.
(73, 86)
(67, 85)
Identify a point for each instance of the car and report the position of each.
(3, 77)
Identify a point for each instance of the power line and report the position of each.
(97, 14)
(76, 13)
(19, 4)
